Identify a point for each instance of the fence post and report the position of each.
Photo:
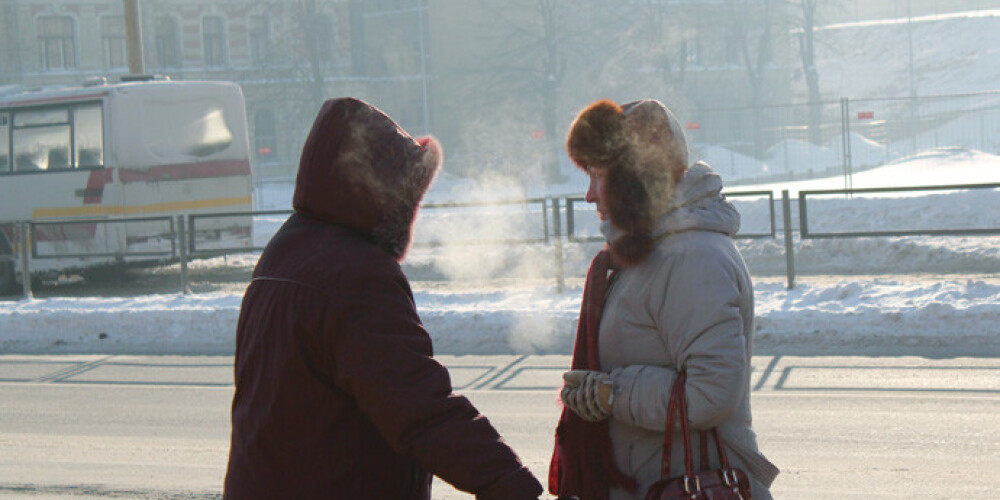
(25, 270)
(845, 129)
(786, 208)
(182, 251)
(557, 230)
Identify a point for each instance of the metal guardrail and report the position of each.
(192, 225)
(571, 217)
(805, 233)
(183, 244)
(38, 227)
(544, 204)
(770, 205)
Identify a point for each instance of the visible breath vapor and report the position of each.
(489, 240)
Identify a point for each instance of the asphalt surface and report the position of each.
(99, 426)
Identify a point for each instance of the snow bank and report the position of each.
(855, 314)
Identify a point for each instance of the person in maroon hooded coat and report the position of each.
(337, 392)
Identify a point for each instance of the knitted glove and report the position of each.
(588, 393)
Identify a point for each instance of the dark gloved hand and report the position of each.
(588, 393)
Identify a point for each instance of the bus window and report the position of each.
(41, 140)
(88, 136)
(4, 144)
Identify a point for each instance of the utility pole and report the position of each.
(133, 36)
(421, 10)
(913, 79)
(909, 30)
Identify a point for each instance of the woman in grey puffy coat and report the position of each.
(680, 298)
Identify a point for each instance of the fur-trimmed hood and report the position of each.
(642, 147)
(360, 169)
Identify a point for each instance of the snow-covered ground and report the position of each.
(877, 295)
(870, 63)
(874, 313)
(952, 53)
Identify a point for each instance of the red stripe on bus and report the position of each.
(229, 168)
(94, 193)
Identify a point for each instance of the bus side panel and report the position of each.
(63, 195)
(183, 149)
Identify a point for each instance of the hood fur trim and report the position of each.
(642, 147)
(394, 231)
(360, 169)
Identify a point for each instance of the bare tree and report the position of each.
(752, 24)
(807, 51)
(300, 48)
(653, 51)
(300, 51)
(536, 50)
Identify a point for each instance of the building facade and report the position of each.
(487, 78)
(288, 56)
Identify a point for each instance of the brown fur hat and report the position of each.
(643, 148)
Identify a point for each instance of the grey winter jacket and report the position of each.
(688, 306)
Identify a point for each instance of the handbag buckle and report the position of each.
(732, 480)
(687, 485)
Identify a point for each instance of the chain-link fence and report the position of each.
(751, 145)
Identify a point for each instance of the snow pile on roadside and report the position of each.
(855, 313)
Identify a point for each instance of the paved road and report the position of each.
(87, 427)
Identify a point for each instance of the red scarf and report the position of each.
(583, 462)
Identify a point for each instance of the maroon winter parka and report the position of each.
(337, 393)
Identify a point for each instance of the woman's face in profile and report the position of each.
(596, 191)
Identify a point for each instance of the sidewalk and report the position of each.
(839, 427)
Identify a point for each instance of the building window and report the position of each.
(167, 46)
(213, 40)
(113, 41)
(265, 136)
(57, 41)
(260, 39)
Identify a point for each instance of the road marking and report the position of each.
(61, 375)
(499, 373)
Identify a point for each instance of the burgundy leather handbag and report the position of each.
(726, 483)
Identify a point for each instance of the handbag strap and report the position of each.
(703, 446)
(721, 450)
(678, 406)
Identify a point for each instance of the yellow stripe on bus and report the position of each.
(175, 206)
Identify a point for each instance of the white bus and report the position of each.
(102, 171)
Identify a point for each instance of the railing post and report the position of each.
(25, 270)
(182, 251)
(786, 208)
(845, 126)
(545, 219)
(557, 230)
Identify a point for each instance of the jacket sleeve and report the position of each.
(698, 318)
(381, 355)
